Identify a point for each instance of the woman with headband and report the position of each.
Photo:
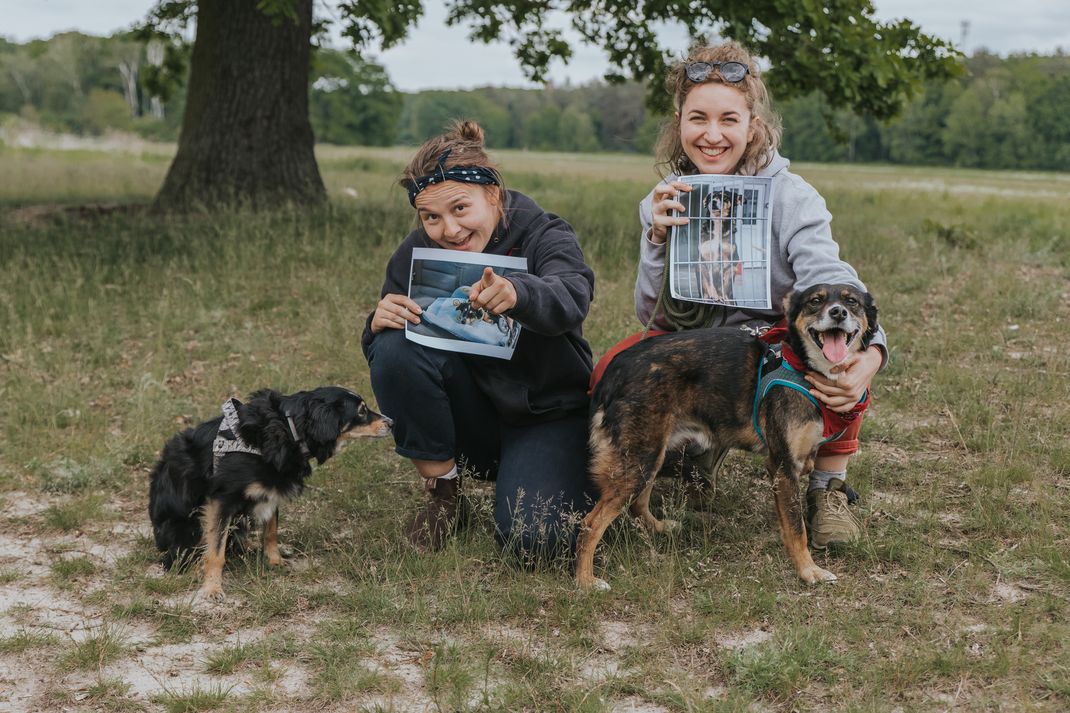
(522, 421)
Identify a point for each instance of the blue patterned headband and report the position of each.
(464, 174)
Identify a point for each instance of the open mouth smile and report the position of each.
(712, 151)
(833, 343)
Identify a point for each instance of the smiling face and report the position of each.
(715, 127)
(459, 216)
(829, 322)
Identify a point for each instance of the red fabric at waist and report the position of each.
(629, 341)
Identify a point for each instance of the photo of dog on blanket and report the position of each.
(706, 387)
(214, 480)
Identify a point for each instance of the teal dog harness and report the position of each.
(774, 370)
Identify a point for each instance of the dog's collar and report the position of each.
(300, 441)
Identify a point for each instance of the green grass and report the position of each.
(99, 648)
(75, 513)
(197, 699)
(66, 573)
(27, 641)
(120, 328)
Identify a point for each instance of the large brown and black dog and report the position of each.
(700, 386)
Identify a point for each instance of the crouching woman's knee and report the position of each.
(534, 534)
(398, 365)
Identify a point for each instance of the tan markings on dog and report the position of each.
(793, 529)
(256, 491)
(603, 455)
(802, 439)
(271, 540)
(813, 352)
(375, 429)
(215, 545)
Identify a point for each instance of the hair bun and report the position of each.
(467, 130)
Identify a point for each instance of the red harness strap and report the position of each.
(834, 422)
(603, 363)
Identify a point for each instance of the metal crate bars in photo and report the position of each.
(722, 255)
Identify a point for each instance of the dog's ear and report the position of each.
(324, 421)
(791, 303)
(871, 317)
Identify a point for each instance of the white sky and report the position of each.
(436, 56)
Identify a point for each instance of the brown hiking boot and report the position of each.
(438, 518)
(830, 520)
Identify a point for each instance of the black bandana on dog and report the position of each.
(464, 174)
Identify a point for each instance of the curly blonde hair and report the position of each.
(765, 122)
(465, 141)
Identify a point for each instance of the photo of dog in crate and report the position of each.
(720, 256)
(440, 282)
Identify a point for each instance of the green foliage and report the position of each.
(104, 110)
(351, 101)
(1005, 113)
(838, 49)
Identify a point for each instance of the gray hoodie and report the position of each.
(804, 253)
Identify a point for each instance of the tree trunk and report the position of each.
(246, 137)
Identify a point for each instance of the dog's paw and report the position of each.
(665, 526)
(815, 575)
(595, 585)
(210, 594)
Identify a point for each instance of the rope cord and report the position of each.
(680, 314)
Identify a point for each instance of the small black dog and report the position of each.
(242, 465)
(700, 386)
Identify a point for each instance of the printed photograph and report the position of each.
(722, 255)
(440, 282)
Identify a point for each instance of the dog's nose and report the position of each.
(838, 312)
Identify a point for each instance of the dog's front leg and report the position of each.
(271, 539)
(215, 524)
(792, 525)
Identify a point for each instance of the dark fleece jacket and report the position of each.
(548, 374)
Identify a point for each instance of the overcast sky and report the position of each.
(436, 56)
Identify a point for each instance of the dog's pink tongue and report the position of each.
(834, 346)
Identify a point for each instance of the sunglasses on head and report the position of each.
(731, 71)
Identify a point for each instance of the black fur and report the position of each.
(698, 387)
(183, 482)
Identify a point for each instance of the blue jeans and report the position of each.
(542, 489)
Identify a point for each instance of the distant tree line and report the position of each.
(1003, 113)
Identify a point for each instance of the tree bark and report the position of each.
(246, 136)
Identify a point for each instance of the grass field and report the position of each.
(117, 329)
